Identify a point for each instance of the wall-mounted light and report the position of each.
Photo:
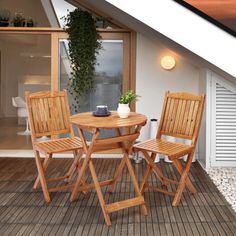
(168, 62)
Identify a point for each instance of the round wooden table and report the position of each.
(124, 140)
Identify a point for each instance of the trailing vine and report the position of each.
(83, 48)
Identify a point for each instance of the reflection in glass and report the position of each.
(108, 76)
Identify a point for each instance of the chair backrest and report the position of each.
(48, 113)
(181, 116)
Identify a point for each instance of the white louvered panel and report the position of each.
(225, 124)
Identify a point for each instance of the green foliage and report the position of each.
(83, 47)
(19, 20)
(4, 15)
(128, 97)
(30, 22)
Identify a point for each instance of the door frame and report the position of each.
(129, 56)
(129, 40)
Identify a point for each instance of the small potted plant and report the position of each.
(19, 20)
(30, 22)
(4, 17)
(124, 101)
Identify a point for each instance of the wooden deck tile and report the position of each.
(24, 212)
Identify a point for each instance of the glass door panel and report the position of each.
(26, 66)
(108, 77)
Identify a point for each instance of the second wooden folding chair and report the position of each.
(49, 116)
(181, 118)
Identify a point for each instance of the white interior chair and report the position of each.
(20, 104)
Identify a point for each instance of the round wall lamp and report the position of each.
(168, 62)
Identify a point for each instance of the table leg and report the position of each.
(99, 193)
(117, 175)
(122, 163)
(78, 180)
(88, 152)
(109, 208)
(135, 182)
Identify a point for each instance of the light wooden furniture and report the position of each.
(86, 121)
(181, 118)
(49, 115)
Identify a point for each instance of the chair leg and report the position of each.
(147, 173)
(45, 166)
(183, 180)
(75, 164)
(42, 177)
(145, 179)
(180, 169)
(157, 171)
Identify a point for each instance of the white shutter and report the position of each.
(224, 125)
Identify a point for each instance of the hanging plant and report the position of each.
(83, 48)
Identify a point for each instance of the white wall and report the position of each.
(23, 64)
(152, 81)
(15, 64)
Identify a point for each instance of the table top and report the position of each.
(87, 120)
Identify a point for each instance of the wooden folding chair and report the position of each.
(49, 116)
(181, 118)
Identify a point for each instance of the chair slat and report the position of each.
(185, 120)
(190, 118)
(43, 115)
(34, 116)
(169, 114)
(194, 118)
(49, 113)
(65, 113)
(178, 113)
(60, 117)
(164, 125)
(181, 117)
(173, 115)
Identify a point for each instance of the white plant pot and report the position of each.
(123, 110)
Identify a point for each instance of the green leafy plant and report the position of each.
(128, 97)
(4, 17)
(30, 22)
(19, 20)
(83, 48)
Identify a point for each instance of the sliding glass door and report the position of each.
(111, 72)
(108, 75)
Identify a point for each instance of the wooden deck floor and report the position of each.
(23, 211)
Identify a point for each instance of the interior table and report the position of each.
(127, 131)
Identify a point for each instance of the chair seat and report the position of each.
(170, 149)
(59, 145)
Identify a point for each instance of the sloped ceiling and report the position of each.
(185, 28)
